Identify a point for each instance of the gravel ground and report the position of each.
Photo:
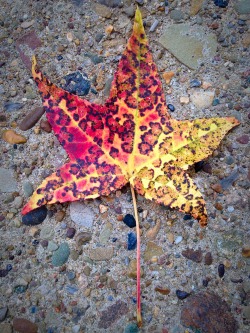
(73, 272)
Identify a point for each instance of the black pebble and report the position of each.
(205, 282)
(198, 166)
(132, 241)
(221, 3)
(181, 294)
(70, 232)
(35, 217)
(187, 217)
(221, 270)
(171, 107)
(129, 220)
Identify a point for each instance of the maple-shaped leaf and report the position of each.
(130, 138)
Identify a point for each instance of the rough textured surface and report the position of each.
(7, 182)
(112, 313)
(23, 325)
(209, 313)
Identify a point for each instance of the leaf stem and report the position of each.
(138, 265)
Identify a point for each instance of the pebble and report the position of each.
(99, 36)
(103, 11)
(227, 182)
(35, 217)
(18, 202)
(105, 233)
(229, 243)
(131, 241)
(193, 255)
(221, 270)
(246, 251)
(131, 328)
(71, 289)
(3, 313)
(177, 15)
(81, 214)
(59, 216)
(27, 24)
(7, 181)
(202, 99)
(152, 250)
(70, 232)
(12, 137)
(129, 220)
(77, 83)
(178, 239)
(52, 246)
(31, 119)
(163, 291)
(47, 232)
(243, 139)
(45, 126)
(182, 294)
(27, 189)
(10, 106)
(101, 253)
(61, 255)
(112, 313)
(154, 26)
(152, 232)
(83, 238)
(5, 328)
(184, 100)
(208, 312)
(195, 83)
(94, 58)
(23, 325)
(167, 76)
(129, 11)
(208, 259)
(132, 270)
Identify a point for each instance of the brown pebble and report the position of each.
(217, 188)
(208, 259)
(23, 325)
(59, 216)
(120, 217)
(218, 206)
(168, 76)
(163, 291)
(12, 137)
(31, 119)
(132, 269)
(45, 126)
(193, 255)
(246, 251)
(83, 238)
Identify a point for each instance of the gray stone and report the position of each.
(81, 214)
(242, 6)
(3, 313)
(47, 232)
(202, 99)
(5, 328)
(177, 15)
(52, 246)
(246, 286)
(230, 242)
(7, 181)
(105, 234)
(191, 45)
(18, 202)
(101, 253)
(27, 189)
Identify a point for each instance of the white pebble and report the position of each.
(178, 239)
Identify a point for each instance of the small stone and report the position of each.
(45, 126)
(154, 26)
(31, 119)
(18, 202)
(10, 106)
(208, 312)
(27, 189)
(195, 6)
(167, 76)
(44, 243)
(109, 29)
(70, 232)
(35, 216)
(98, 37)
(182, 294)
(7, 181)
(193, 255)
(152, 250)
(27, 24)
(208, 259)
(94, 58)
(5, 328)
(3, 313)
(47, 232)
(112, 313)
(59, 216)
(217, 188)
(129, 220)
(226, 182)
(77, 83)
(184, 100)
(178, 239)
(244, 139)
(132, 241)
(23, 325)
(246, 251)
(132, 270)
(202, 99)
(52, 246)
(246, 312)
(171, 107)
(83, 238)
(103, 209)
(195, 83)
(103, 11)
(129, 11)
(163, 291)
(81, 214)
(12, 137)
(105, 233)
(152, 232)
(177, 15)
(61, 255)
(221, 270)
(33, 231)
(101, 253)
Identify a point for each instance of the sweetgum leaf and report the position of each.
(130, 138)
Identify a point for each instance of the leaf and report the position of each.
(130, 138)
